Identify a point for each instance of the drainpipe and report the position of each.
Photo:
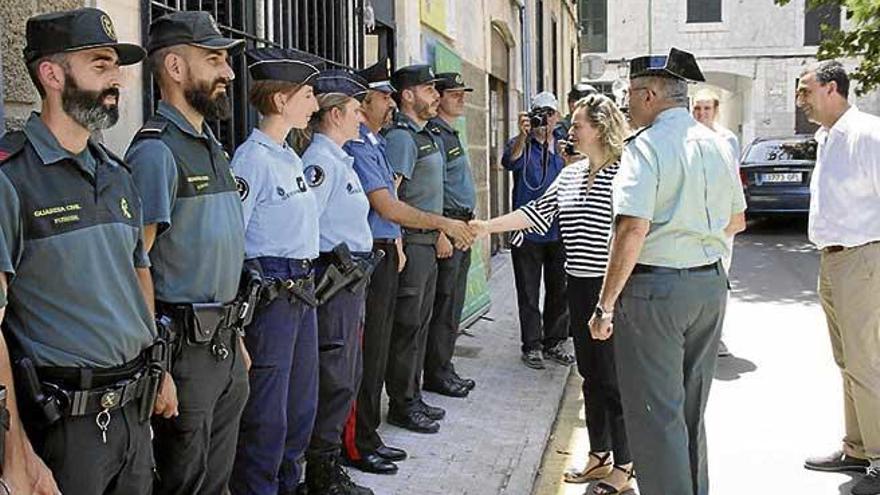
(650, 27)
(525, 21)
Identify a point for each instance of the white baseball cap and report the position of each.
(545, 99)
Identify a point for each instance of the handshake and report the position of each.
(463, 234)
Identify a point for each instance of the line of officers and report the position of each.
(178, 323)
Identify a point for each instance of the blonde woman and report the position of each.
(581, 199)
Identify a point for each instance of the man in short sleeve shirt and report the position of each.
(72, 262)
(676, 200)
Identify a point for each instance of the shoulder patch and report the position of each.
(243, 188)
(636, 134)
(10, 144)
(314, 175)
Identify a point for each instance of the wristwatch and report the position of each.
(602, 314)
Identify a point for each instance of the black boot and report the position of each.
(324, 476)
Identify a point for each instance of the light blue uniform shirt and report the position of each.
(343, 206)
(679, 175)
(280, 211)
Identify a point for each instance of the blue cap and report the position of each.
(282, 64)
(341, 81)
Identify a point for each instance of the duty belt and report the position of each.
(462, 214)
(58, 392)
(302, 288)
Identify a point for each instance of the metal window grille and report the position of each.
(704, 11)
(332, 29)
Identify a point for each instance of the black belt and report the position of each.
(459, 214)
(384, 242)
(639, 268)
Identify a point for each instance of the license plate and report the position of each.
(780, 178)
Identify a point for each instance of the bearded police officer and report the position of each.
(415, 155)
(81, 334)
(195, 237)
(459, 201)
(364, 448)
(676, 200)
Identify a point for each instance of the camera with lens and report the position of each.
(538, 117)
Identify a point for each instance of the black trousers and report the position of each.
(412, 316)
(530, 261)
(340, 328)
(595, 363)
(74, 450)
(360, 436)
(195, 450)
(452, 276)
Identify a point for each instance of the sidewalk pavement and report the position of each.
(492, 441)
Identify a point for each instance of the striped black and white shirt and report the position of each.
(585, 217)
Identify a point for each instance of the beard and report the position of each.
(198, 95)
(87, 108)
(426, 110)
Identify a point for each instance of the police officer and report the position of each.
(364, 448)
(281, 243)
(415, 155)
(81, 336)
(195, 237)
(459, 201)
(342, 270)
(665, 274)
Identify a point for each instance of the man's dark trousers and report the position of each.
(277, 422)
(530, 261)
(452, 276)
(360, 437)
(412, 316)
(212, 395)
(340, 329)
(666, 332)
(82, 462)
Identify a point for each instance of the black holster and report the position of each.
(302, 289)
(343, 271)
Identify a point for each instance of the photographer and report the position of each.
(535, 161)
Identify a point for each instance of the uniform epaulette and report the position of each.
(152, 128)
(113, 156)
(631, 138)
(11, 144)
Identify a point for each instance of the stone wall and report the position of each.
(20, 96)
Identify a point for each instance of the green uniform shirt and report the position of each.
(70, 240)
(679, 175)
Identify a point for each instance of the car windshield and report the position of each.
(771, 151)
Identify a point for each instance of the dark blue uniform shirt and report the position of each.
(533, 172)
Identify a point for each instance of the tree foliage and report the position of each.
(861, 41)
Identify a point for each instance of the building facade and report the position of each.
(752, 53)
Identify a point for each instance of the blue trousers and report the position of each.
(280, 413)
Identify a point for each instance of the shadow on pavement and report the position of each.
(846, 488)
(757, 263)
(731, 368)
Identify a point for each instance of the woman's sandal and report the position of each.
(597, 472)
(605, 488)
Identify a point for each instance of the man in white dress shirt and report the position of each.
(845, 226)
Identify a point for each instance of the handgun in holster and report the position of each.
(250, 289)
(303, 289)
(47, 404)
(159, 358)
(344, 272)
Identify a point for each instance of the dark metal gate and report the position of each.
(331, 29)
